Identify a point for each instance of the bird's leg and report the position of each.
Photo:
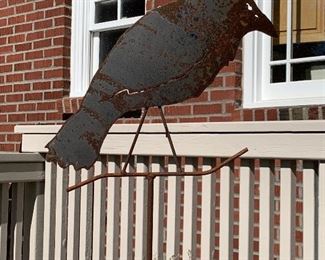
(179, 169)
(135, 140)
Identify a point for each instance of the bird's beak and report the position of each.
(266, 26)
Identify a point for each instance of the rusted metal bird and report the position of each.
(171, 54)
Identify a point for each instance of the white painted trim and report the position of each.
(257, 89)
(235, 127)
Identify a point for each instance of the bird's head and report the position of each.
(251, 18)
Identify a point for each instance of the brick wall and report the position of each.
(34, 64)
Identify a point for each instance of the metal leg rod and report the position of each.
(179, 169)
(135, 140)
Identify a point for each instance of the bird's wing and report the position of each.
(152, 52)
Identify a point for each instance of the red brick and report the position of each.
(57, 32)
(8, 108)
(5, 12)
(5, 68)
(233, 81)
(7, 30)
(193, 119)
(62, 21)
(35, 36)
(63, 2)
(65, 41)
(36, 117)
(53, 52)
(53, 116)
(6, 89)
(43, 24)
(23, 66)
(3, 3)
(272, 114)
(53, 95)
(7, 147)
(248, 115)
(3, 40)
(56, 12)
(313, 113)
(259, 115)
(207, 109)
(21, 87)
(42, 64)
(42, 44)
(15, 57)
(7, 128)
(178, 110)
(33, 96)
(46, 106)
(27, 107)
(2, 59)
(15, 2)
(17, 118)
(6, 49)
(3, 137)
(43, 4)
(14, 77)
(23, 27)
(57, 73)
(24, 8)
(225, 118)
(33, 75)
(41, 85)
(33, 55)
(14, 97)
(16, 38)
(16, 19)
(61, 84)
(23, 47)
(13, 137)
(62, 62)
(35, 16)
(222, 94)
(3, 22)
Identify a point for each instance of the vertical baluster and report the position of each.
(287, 211)
(86, 215)
(246, 210)
(321, 210)
(61, 210)
(190, 218)
(73, 216)
(49, 211)
(17, 221)
(208, 212)
(309, 211)
(99, 212)
(4, 207)
(266, 207)
(127, 199)
(141, 210)
(158, 213)
(173, 213)
(226, 212)
(113, 210)
(37, 224)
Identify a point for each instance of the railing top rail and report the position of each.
(281, 140)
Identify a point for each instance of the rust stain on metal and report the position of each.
(171, 54)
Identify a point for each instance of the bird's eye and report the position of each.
(256, 15)
(249, 7)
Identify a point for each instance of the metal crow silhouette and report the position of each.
(171, 54)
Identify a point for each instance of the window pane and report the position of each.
(131, 8)
(308, 71)
(308, 49)
(107, 41)
(106, 11)
(278, 73)
(279, 19)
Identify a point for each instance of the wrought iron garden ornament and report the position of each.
(171, 54)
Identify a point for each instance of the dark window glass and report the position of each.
(278, 73)
(308, 71)
(107, 41)
(132, 8)
(105, 11)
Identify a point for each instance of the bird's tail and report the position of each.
(79, 140)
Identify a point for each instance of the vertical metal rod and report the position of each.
(150, 183)
(179, 169)
(135, 139)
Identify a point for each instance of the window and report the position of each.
(96, 26)
(289, 70)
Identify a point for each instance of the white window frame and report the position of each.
(257, 89)
(85, 42)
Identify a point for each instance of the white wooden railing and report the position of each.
(239, 212)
